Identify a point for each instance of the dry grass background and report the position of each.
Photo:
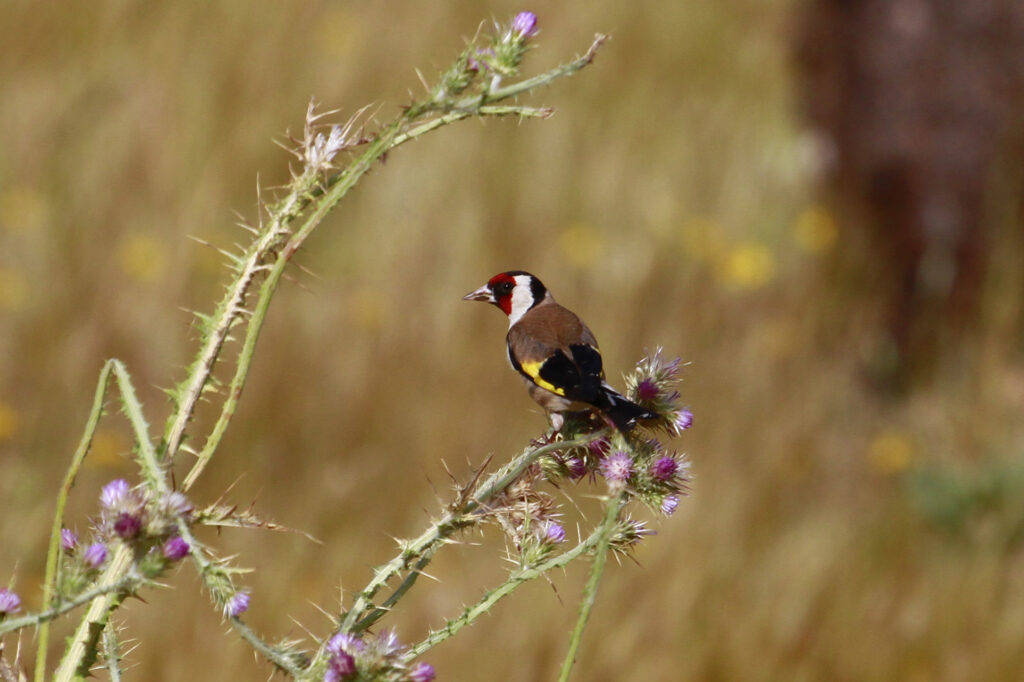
(668, 201)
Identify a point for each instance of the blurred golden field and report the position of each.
(832, 532)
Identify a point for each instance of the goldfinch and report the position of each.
(554, 352)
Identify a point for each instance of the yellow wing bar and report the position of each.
(532, 370)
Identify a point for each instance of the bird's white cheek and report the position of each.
(522, 299)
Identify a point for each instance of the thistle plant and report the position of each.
(142, 528)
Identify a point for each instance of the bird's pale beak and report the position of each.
(481, 294)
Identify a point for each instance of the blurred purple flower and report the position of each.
(682, 420)
(9, 601)
(387, 643)
(617, 467)
(669, 504)
(177, 503)
(345, 642)
(598, 447)
(577, 467)
(237, 604)
(664, 469)
(95, 554)
(524, 25)
(115, 494)
(340, 666)
(176, 548)
(127, 525)
(422, 672)
(68, 539)
(647, 390)
(554, 533)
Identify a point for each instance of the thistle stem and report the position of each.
(493, 596)
(604, 535)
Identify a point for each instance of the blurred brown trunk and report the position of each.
(914, 103)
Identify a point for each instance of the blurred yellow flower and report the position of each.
(9, 421)
(107, 447)
(815, 230)
(141, 257)
(748, 265)
(581, 244)
(13, 289)
(891, 452)
(22, 209)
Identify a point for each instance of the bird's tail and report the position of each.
(623, 412)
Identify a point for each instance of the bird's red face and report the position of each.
(514, 292)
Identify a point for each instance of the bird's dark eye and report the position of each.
(503, 289)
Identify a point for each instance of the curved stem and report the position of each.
(604, 532)
(53, 552)
(493, 596)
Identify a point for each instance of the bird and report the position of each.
(555, 353)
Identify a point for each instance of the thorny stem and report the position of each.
(269, 652)
(292, 205)
(82, 647)
(125, 584)
(363, 614)
(268, 256)
(53, 552)
(493, 596)
(112, 654)
(604, 533)
(133, 409)
(205, 569)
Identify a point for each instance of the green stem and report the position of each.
(82, 647)
(493, 596)
(53, 552)
(125, 584)
(203, 566)
(81, 651)
(269, 652)
(604, 532)
(363, 613)
(151, 469)
(390, 137)
(112, 653)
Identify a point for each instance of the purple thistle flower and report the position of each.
(664, 469)
(682, 420)
(669, 504)
(176, 548)
(524, 25)
(617, 467)
(95, 554)
(68, 539)
(9, 602)
(387, 643)
(554, 533)
(422, 672)
(127, 526)
(577, 467)
(341, 665)
(345, 642)
(237, 604)
(598, 447)
(177, 503)
(647, 390)
(115, 494)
